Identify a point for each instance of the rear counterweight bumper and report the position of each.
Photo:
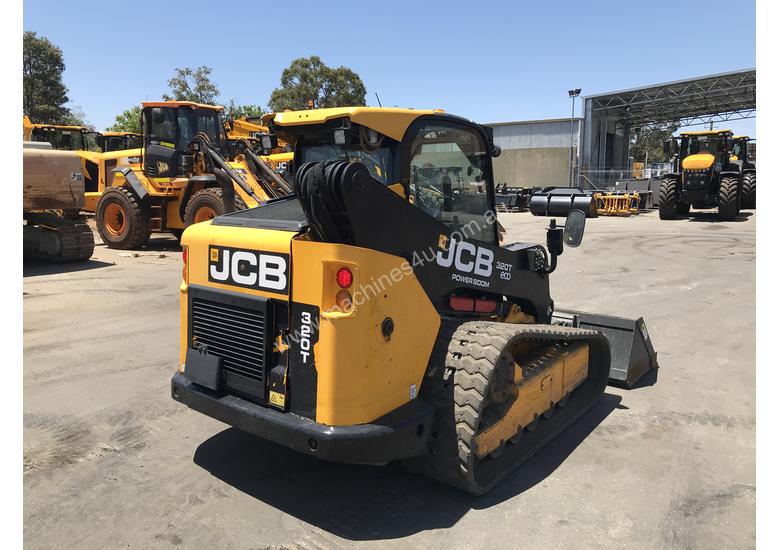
(403, 433)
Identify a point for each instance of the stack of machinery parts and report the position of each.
(617, 204)
(559, 201)
(513, 199)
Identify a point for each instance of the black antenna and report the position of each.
(377, 99)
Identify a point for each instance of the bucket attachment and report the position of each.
(632, 351)
(559, 201)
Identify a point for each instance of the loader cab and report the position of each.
(63, 138)
(168, 129)
(438, 162)
(118, 141)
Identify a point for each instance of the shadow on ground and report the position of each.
(163, 243)
(369, 502)
(32, 268)
(712, 217)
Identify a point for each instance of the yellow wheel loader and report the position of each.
(61, 137)
(179, 177)
(703, 176)
(373, 316)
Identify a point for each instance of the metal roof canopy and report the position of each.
(701, 100)
(609, 117)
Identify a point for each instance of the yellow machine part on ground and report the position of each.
(617, 204)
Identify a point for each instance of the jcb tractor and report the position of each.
(373, 316)
(703, 176)
(249, 132)
(741, 157)
(179, 176)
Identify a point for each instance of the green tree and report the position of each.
(193, 85)
(308, 79)
(234, 110)
(127, 121)
(43, 93)
(647, 142)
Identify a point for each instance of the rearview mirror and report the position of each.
(574, 229)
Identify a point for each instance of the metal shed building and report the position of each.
(535, 153)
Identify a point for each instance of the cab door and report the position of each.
(160, 159)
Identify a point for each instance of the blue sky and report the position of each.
(489, 61)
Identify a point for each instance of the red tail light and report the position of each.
(344, 277)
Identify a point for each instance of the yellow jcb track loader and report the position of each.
(179, 177)
(741, 157)
(373, 316)
(703, 176)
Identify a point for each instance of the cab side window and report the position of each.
(164, 130)
(448, 172)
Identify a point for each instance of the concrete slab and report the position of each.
(111, 461)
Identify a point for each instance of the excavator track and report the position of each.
(468, 387)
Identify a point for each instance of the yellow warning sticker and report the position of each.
(276, 398)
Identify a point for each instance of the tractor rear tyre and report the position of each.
(728, 198)
(749, 190)
(122, 220)
(668, 202)
(206, 205)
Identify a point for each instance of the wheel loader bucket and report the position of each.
(632, 351)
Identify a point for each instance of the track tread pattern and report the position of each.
(462, 375)
(78, 242)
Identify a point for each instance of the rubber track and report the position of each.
(728, 198)
(78, 242)
(459, 382)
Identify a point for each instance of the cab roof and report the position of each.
(391, 122)
(112, 134)
(175, 104)
(707, 133)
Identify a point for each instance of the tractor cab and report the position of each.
(169, 127)
(117, 141)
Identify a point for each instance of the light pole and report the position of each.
(572, 94)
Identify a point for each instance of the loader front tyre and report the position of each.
(205, 205)
(749, 191)
(668, 202)
(472, 386)
(121, 219)
(728, 198)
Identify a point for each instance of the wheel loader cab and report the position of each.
(168, 129)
